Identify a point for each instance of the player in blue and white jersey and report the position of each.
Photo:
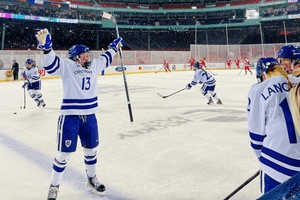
(271, 128)
(289, 56)
(79, 75)
(202, 76)
(33, 82)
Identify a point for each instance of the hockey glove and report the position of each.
(44, 40)
(189, 86)
(25, 84)
(24, 75)
(116, 44)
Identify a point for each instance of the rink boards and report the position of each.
(6, 75)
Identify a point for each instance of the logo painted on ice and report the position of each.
(120, 69)
(187, 117)
(68, 143)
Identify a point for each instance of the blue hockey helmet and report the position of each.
(289, 51)
(197, 65)
(29, 61)
(267, 63)
(76, 50)
(260, 63)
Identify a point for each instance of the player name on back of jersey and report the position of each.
(280, 87)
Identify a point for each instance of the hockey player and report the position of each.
(289, 57)
(33, 82)
(79, 75)
(192, 62)
(166, 66)
(203, 63)
(237, 62)
(228, 62)
(271, 130)
(247, 66)
(209, 84)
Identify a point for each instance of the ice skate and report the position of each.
(95, 186)
(210, 101)
(219, 102)
(42, 103)
(53, 191)
(38, 103)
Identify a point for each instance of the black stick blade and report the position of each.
(160, 95)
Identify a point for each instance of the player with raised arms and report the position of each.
(77, 119)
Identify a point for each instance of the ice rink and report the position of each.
(177, 148)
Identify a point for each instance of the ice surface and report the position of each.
(177, 148)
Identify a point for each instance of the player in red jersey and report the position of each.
(247, 65)
(203, 63)
(228, 62)
(166, 66)
(191, 62)
(237, 62)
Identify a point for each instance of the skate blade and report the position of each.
(93, 190)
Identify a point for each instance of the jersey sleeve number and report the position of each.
(86, 84)
(289, 121)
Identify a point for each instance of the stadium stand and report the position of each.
(149, 25)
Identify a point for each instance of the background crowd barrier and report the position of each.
(151, 61)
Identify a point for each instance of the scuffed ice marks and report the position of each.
(156, 125)
(218, 115)
(208, 115)
(120, 89)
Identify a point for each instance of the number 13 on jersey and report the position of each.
(86, 84)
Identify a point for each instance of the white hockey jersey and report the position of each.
(32, 74)
(79, 84)
(272, 133)
(202, 76)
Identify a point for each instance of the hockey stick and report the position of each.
(243, 185)
(24, 97)
(170, 94)
(160, 69)
(108, 16)
(210, 71)
(241, 70)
